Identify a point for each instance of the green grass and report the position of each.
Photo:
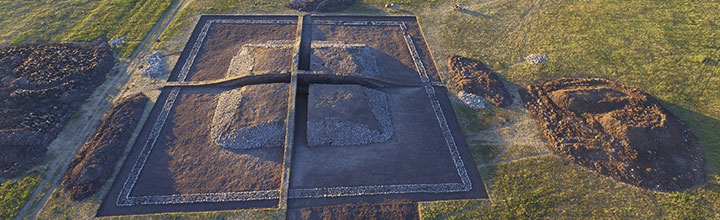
(26, 21)
(13, 195)
(669, 49)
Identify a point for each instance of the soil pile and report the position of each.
(89, 170)
(321, 5)
(388, 210)
(41, 86)
(474, 77)
(617, 131)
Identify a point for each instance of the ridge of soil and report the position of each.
(617, 131)
(320, 5)
(474, 77)
(41, 86)
(94, 164)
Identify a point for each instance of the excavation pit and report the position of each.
(369, 122)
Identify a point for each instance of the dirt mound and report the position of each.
(41, 86)
(320, 5)
(617, 131)
(89, 170)
(474, 77)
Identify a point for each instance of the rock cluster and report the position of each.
(152, 65)
(536, 59)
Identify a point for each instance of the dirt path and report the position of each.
(101, 101)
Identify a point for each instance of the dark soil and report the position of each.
(41, 86)
(89, 170)
(617, 131)
(472, 76)
(223, 42)
(320, 5)
(399, 209)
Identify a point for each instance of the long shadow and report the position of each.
(475, 13)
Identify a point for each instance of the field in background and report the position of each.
(670, 49)
(28, 21)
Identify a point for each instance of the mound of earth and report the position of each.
(89, 170)
(320, 5)
(343, 59)
(41, 86)
(617, 131)
(251, 117)
(474, 77)
(343, 115)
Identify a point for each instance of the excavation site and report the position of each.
(295, 112)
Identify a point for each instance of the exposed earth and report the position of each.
(91, 168)
(395, 209)
(41, 86)
(617, 131)
(320, 5)
(474, 77)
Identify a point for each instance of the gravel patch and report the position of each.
(472, 100)
(346, 115)
(536, 59)
(343, 59)
(251, 117)
(153, 65)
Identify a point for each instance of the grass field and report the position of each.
(13, 195)
(670, 49)
(27, 21)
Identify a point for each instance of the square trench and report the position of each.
(176, 166)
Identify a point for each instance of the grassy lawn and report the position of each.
(13, 195)
(29, 21)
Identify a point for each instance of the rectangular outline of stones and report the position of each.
(466, 184)
(124, 198)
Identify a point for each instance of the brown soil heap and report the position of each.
(89, 170)
(320, 5)
(41, 86)
(617, 131)
(471, 76)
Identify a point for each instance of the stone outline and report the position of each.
(124, 199)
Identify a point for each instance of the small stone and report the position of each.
(536, 59)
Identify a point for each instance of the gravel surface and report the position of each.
(536, 59)
(472, 100)
(152, 65)
(343, 115)
(251, 117)
(343, 59)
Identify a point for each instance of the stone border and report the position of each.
(124, 199)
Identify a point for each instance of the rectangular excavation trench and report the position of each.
(293, 196)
